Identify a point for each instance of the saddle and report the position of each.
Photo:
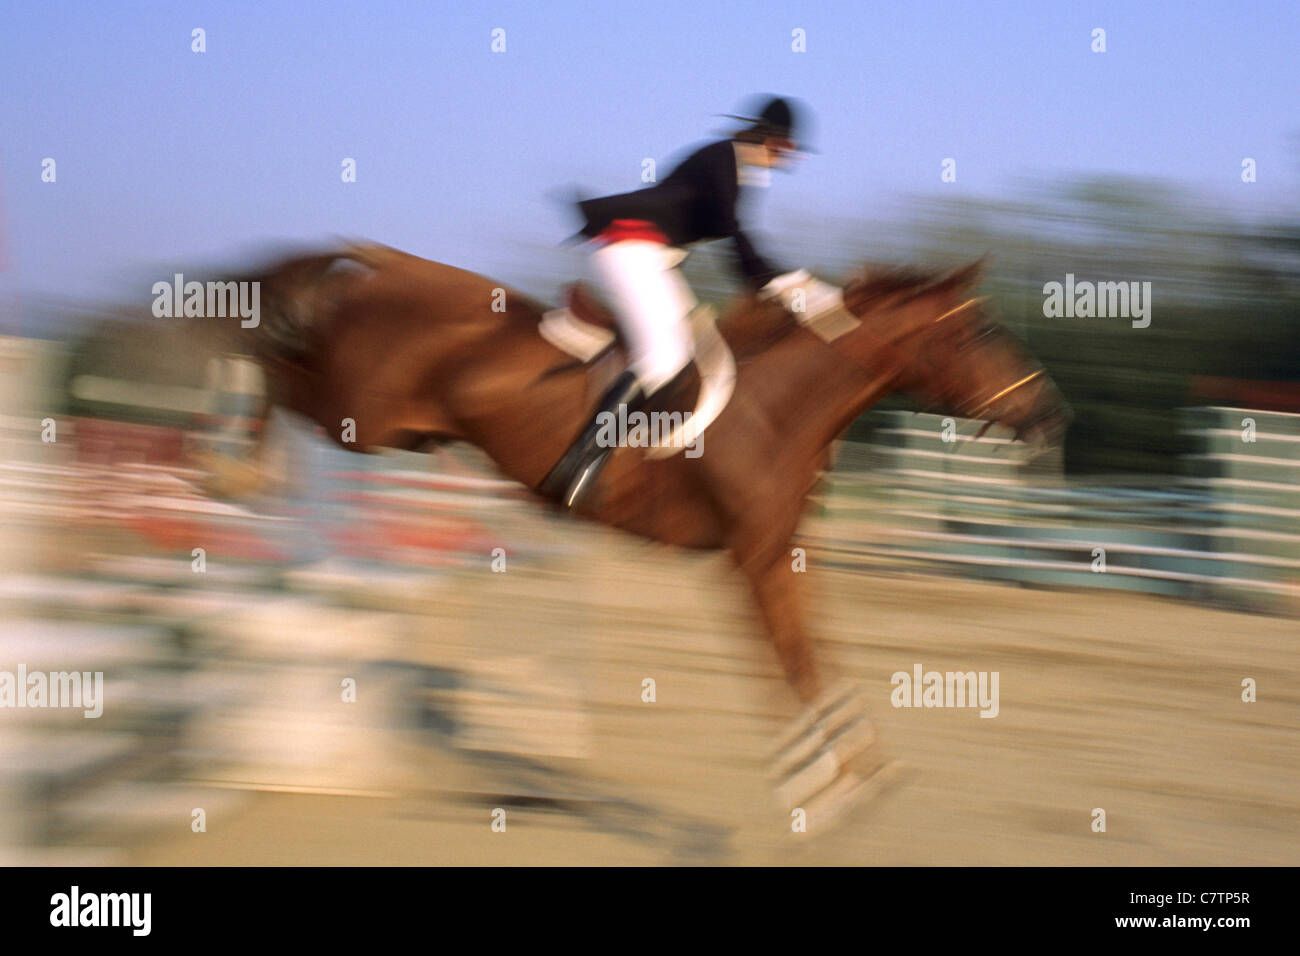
(587, 307)
(586, 328)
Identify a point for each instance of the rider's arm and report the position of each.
(757, 270)
(719, 177)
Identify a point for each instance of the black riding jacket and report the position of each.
(696, 201)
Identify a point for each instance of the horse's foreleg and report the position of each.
(828, 758)
(776, 587)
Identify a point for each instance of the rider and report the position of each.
(637, 239)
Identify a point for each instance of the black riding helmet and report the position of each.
(778, 116)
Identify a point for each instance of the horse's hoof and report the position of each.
(829, 746)
(852, 791)
(225, 477)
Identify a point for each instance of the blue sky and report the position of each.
(167, 157)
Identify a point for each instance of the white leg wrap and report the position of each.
(814, 760)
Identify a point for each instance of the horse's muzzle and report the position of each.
(1047, 429)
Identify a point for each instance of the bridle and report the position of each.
(997, 396)
(983, 406)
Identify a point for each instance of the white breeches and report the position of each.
(652, 303)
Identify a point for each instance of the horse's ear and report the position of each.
(968, 276)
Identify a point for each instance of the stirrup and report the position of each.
(586, 478)
(579, 468)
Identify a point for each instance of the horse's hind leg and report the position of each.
(262, 468)
(237, 391)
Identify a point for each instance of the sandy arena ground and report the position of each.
(1127, 703)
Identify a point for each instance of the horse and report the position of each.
(403, 351)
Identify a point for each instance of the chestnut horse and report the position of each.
(410, 350)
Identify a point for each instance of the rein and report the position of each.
(975, 412)
(978, 300)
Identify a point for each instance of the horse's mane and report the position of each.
(875, 281)
(873, 285)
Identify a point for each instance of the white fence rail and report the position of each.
(1228, 530)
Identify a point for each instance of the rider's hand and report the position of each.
(802, 293)
(783, 283)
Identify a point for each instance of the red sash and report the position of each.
(622, 229)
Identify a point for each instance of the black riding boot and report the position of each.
(581, 465)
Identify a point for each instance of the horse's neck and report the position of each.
(817, 389)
